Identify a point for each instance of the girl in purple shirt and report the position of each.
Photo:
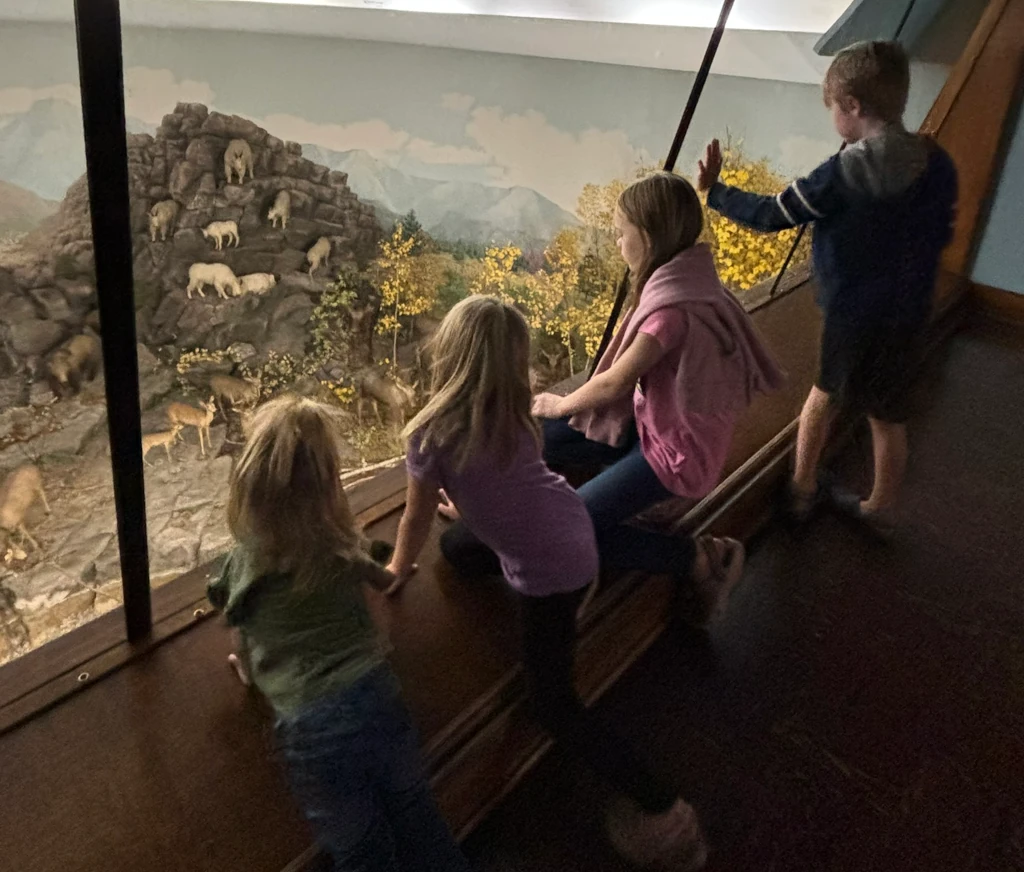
(476, 439)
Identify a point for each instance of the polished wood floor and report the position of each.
(861, 709)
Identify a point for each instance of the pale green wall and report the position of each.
(1000, 259)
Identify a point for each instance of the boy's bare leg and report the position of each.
(889, 444)
(815, 423)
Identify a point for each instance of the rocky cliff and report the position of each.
(46, 284)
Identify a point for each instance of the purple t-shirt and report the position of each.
(527, 514)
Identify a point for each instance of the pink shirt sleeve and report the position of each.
(667, 327)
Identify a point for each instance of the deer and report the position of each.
(183, 415)
(397, 396)
(235, 392)
(166, 438)
(20, 491)
(362, 320)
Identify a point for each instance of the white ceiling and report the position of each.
(801, 16)
(766, 39)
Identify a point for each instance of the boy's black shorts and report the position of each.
(871, 364)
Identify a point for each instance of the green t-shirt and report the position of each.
(301, 643)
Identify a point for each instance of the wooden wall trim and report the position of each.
(970, 116)
(964, 67)
(1005, 306)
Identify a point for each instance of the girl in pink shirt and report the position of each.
(477, 439)
(660, 410)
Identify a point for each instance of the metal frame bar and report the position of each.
(670, 159)
(101, 73)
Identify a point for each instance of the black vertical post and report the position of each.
(101, 73)
(670, 160)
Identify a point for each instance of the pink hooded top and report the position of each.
(686, 406)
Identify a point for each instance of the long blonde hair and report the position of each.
(286, 502)
(479, 383)
(667, 210)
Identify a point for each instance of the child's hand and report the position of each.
(547, 406)
(401, 575)
(446, 508)
(709, 169)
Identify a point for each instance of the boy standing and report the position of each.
(883, 209)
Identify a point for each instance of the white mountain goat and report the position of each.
(219, 275)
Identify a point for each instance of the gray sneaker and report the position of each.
(848, 504)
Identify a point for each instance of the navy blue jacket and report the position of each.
(883, 210)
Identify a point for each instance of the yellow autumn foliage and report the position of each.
(747, 257)
(571, 297)
(408, 283)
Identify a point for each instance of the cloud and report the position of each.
(800, 154)
(14, 101)
(534, 153)
(433, 153)
(456, 102)
(375, 136)
(150, 94)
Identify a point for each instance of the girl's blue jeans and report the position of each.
(354, 763)
(626, 487)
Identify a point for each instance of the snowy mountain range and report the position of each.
(468, 211)
(42, 151)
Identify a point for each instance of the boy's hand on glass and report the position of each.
(547, 406)
(401, 575)
(710, 168)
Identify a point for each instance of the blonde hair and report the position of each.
(479, 383)
(667, 210)
(875, 74)
(286, 502)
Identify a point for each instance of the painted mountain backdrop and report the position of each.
(451, 210)
(21, 210)
(42, 151)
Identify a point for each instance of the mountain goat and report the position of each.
(257, 283)
(281, 210)
(219, 275)
(238, 160)
(161, 219)
(218, 231)
(318, 254)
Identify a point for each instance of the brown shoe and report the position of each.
(671, 840)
